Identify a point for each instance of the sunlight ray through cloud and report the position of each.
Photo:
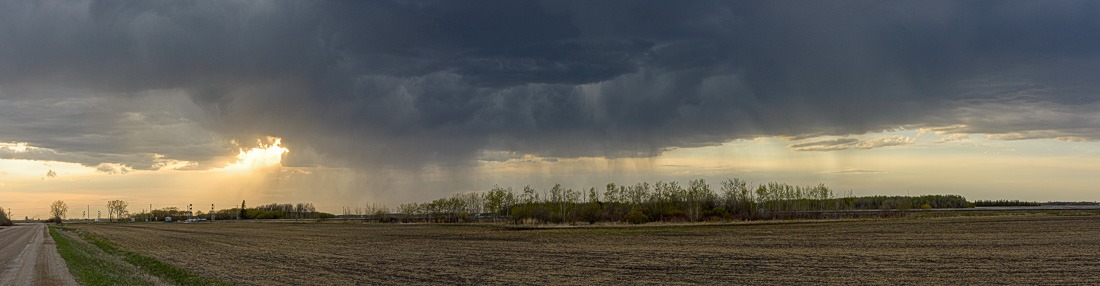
(266, 155)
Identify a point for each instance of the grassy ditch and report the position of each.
(96, 261)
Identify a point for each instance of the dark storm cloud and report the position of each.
(402, 83)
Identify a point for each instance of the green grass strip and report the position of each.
(91, 269)
(147, 264)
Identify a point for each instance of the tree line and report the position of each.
(268, 211)
(662, 201)
(117, 210)
(1080, 203)
(734, 199)
(1005, 203)
(274, 211)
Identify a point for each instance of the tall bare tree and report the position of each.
(58, 210)
(116, 209)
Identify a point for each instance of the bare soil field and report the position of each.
(1034, 249)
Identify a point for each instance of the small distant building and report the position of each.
(167, 219)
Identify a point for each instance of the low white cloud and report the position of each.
(513, 158)
(1037, 134)
(941, 130)
(825, 145)
(103, 162)
(885, 142)
(111, 168)
(1071, 139)
(499, 156)
(13, 147)
(1024, 135)
(300, 171)
(954, 137)
(837, 144)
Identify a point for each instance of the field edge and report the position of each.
(76, 248)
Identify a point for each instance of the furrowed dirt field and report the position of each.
(982, 250)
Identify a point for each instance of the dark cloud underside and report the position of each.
(404, 83)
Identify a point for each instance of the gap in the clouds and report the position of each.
(262, 156)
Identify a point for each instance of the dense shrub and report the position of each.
(714, 214)
(636, 217)
(264, 214)
(4, 220)
(590, 212)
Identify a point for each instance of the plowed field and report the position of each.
(1040, 249)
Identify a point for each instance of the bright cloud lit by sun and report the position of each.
(18, 147)
(265, 155)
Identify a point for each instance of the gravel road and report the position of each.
(28, 256)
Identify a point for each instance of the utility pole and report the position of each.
(211, 212)
(89, 217)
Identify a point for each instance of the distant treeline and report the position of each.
(908, 202)
(269, 211)
(660, 201)
(1071, 204)
(275, 211)
(1005, 203)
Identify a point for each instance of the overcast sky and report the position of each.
(398, 101)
